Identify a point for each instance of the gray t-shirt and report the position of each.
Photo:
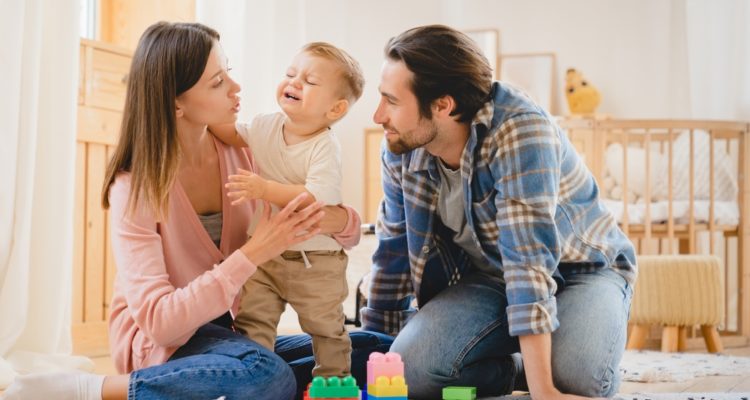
(212, 223)
(452, 212)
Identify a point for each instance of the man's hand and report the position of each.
(536, 351)
(246, 186)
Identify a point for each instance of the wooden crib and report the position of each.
(692, 194)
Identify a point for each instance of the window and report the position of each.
(87, 18)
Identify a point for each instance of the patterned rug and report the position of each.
(655, 366)
(655, 396)
(685, 396)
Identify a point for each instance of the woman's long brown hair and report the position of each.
(169, 60)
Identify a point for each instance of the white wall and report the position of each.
(634, 52)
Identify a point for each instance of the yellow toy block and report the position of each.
(384, 387)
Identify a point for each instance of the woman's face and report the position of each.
(213, 99)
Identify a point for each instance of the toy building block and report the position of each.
(384, 387)
(388, 365)
(371, 397)
(459, 393)
(333, 388)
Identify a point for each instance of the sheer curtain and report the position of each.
(718, 47)
(39, 71)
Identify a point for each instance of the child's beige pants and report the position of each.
(315, 293)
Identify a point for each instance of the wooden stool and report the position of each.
(677, 292)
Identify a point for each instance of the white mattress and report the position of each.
(725, 212)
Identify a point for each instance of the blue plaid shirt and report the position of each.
(529, 199)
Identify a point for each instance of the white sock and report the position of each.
(58, 385)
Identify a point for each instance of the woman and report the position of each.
(180, 247)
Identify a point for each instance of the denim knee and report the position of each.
(279, 381)
(586, 381)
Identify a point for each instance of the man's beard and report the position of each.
(402, 146)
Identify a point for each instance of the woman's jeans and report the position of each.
(460, 337)
(218, 362)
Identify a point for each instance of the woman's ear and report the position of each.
(338, 110)
(178, 110)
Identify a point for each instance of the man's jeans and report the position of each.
(216, 362)
(460, 337)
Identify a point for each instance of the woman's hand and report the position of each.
(274, 234)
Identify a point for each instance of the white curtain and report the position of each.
(38, 88)
(718, 47)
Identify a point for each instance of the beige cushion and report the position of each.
(680, 290)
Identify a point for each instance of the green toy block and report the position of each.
(333, 387)
(459, 393)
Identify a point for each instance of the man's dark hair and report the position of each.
(444, 61)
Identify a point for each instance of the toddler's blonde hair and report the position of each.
(352, 73)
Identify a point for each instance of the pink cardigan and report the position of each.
(171, 278)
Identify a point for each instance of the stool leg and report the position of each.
(682, 339)
(637, 339)
(711, 336)
(670, 338)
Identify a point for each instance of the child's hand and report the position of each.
(245, 186)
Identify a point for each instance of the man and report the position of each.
(492, 223)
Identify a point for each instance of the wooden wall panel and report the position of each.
(96, 125)
(101, 98)
(95, 236)
(109, 259)
(121, 22)
(79, 224)
(106, 83)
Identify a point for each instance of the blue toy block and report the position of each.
(371, 397)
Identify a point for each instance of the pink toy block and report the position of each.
(388, 365)
(385, 387)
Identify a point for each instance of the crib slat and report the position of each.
(743, 240)
(711, 170)
(647, 191)
(726, 284)
(691, 197)
(625, 216)
(670, 194)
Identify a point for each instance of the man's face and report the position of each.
(398, 110)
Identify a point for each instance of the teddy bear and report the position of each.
(583, 98)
